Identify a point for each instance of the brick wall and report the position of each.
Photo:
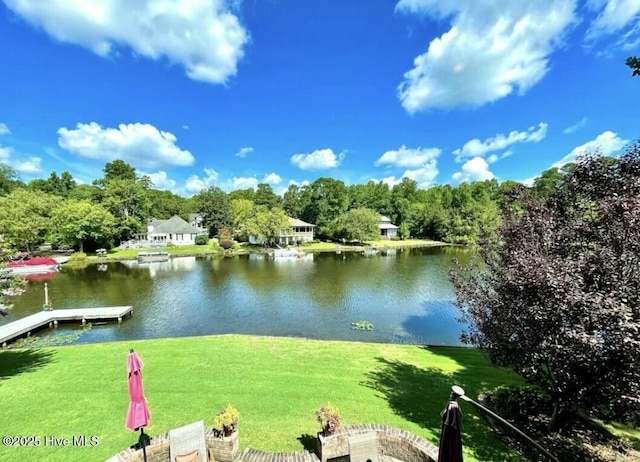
(392, 441)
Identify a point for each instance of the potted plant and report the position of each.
(226, 420)
(328, 416)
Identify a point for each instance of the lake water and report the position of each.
(404, 293)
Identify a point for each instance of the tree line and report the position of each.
(120, 204)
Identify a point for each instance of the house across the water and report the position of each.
(297, 233)
(174, 231)
(387, 229)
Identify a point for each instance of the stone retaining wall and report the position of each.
(392, 441)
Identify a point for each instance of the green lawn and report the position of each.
(276, 384)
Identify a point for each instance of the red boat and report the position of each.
(35, 265)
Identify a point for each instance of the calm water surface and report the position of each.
(405, 293)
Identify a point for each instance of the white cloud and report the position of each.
(245, 182)
(244, 151)
(615, 16)
(424, 176)
(606, 143)
(319, 159)
(31, 165)
(161, 180)
(272, 178)
(575, 127)
(4, 130)
(477, 148)
(408, 158)
(476, 169)
(491, 49)
(141, 145)
(196, 184)
(202, 36)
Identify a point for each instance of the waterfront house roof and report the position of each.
(297, 222)
(385, 223)
(174, 225)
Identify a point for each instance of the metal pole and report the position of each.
(143, 442)
(46, 294)
(458, 392)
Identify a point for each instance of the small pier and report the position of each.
(31, 323)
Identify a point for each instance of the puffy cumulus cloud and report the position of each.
(272, 178)
(491, 50)
(407, 157)
(476, 169)
(244, 182)
(203, 36)
(616, 16)
(31, 165)
(243, 152)
(319, 159)
(141, 145)
(4, 130)
(424, 176)
(161, 180)
(195, 183)
(477, 148)
(606, 143)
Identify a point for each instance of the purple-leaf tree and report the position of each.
(556, 297)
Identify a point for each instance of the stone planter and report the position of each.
(224, 449)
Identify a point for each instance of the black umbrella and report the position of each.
(451, 434)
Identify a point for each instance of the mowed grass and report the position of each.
(276, 384)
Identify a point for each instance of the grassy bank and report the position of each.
(276, 383)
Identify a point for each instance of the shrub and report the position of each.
(328, 416)
(78, 256)
(226, 243)
(227, 418)
(202, 239)
(517, 404)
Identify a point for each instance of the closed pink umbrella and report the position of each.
(138, 413)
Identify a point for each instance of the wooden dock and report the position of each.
(28, 324)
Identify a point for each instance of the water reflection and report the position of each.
(405, 293)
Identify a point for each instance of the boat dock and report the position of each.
(28, 324)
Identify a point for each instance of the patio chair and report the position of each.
(185, 442)
(364, 447)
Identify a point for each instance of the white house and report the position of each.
(387, 229)
(298, 232)
(174, 230)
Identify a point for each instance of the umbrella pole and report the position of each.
(143, 442)
(459, 393)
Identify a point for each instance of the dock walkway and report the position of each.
(36, 321)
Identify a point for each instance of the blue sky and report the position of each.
(206, 92)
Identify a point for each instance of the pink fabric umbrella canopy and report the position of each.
(138, 413)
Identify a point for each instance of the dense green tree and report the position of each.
(372, 195)
(57, 185)
(119, 169)
(292, 201)
(557, 296)
(215, 207)
(243, 212)
(25, 217)
(265, 196)
(165, 204)
(634, 63)
(77, 222)
(359, 225)
(86, 192)
(324, 201)
(248, 194)
(127, 201)
(403, 195)
(9, 179)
